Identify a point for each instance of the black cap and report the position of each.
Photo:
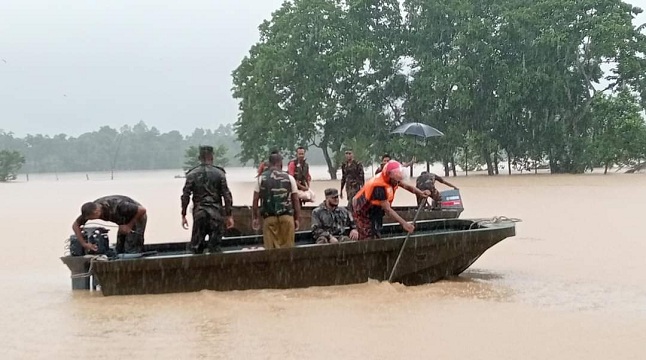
(206, 148)
(331, 192)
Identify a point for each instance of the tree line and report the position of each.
(137, 147)
(554, 83)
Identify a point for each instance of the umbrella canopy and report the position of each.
(417, 129)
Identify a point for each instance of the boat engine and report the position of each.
(94, 235)
(451, 200)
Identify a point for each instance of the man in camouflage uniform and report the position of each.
(276, 191)
(329, 221)
(208, 184)
(352, 177)
(426, 181)
(121, 210)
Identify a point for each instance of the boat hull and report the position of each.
(438, 249)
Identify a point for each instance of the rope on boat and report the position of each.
(497, 220)
(93, 258)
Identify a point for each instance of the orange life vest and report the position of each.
(366, 191)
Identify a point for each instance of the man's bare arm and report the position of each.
(439, 179)
(141, 211)
(385, 205)
(297, 206)
(255, 211)
(412, 189)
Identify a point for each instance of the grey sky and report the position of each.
(71, 66)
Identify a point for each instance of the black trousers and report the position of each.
(207, 222)
(133, 242)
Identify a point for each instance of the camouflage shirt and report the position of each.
(427, 181)
(275, 191)
(208, 184)
(330, 222)
(352, 174)
(118, 209)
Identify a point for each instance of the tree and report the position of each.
(619, 130)
(191, 157)
(320, 75)
(10, 163)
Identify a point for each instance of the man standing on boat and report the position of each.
(280, 207)
(121, 210)
(426, 181)
(208, 184)
(385, 158)
(374, 201)
(352, 177)
(329, 221)
(300, 170)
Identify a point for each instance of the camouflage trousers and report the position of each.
(351, 191)
(326, 240)
(207, 221)
(133, 242)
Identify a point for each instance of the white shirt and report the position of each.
(291, 181)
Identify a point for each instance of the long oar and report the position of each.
(401, 251)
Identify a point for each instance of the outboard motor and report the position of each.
(451, 200)
(94, 235)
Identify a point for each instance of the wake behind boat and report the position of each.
(436, 250)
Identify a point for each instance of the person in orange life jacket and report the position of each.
(386, 158)
(375, 198)
(300, 170)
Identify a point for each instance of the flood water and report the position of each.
(570, 285)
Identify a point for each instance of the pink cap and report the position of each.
(392, 165)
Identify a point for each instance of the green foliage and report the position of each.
(191, 157)
(619, 132)
(137, 147)
(519, 76)
(10, 163)
(322, 73)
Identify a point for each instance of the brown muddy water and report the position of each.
(570, 285)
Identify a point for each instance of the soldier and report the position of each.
(300, 170)
(265, 164)
(208, 184)
(426, 181)
(280, 208)
(121, 210)
(329, 221)
(352, 177)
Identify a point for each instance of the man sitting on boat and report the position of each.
(121, 210)
(208, 184)
(300, 170)
(426, 181)
(375, 198)
(329, 221)
(280, 207)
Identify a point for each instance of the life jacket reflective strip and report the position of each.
(369, 187)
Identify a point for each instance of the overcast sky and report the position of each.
(71, 66)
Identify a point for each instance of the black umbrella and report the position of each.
(417, 129)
